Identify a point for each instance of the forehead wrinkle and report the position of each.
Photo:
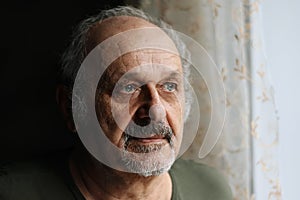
(136, 76)
(150, 57)
(137, 58)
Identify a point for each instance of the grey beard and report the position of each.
(148, 160)
(149, 164)
(153, 129)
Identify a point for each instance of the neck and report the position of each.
(97, 181)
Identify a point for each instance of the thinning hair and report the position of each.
(77, 49)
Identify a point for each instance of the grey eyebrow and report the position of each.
(176, 75)
(135, 77)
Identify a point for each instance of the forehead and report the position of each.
(144, 65)
(150, 57)
(114, 26)
(141, 32)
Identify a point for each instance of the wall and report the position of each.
(281, 24)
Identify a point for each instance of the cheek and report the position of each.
(174, 104)
(106, 119)
(120, 113)
(175, 120)
(174, 115)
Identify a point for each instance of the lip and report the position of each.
(152, 139)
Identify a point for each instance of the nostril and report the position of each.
(141, 116)
(145, 114)
(142, 121)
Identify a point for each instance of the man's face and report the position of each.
(140, 97)
(140, 107)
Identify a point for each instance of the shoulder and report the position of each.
(198, 180)
(33, 179)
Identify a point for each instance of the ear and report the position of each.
(65, 104)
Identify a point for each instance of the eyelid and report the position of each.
(125, 82)
(169, 82)
(120, 87)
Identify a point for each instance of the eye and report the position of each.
(129, 89)
(169, 86)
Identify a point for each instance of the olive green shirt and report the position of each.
(50, 179)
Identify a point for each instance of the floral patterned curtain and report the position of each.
(230, 32)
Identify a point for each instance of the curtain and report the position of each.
(230, 33)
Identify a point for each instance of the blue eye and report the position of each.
(130, 88)
(170, 87)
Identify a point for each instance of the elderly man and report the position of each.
(140, 103)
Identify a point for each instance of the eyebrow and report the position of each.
(175, 75)
(135, 76)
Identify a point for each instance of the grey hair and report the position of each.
(77, 51)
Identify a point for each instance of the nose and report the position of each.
(157, 112)
(152, 107)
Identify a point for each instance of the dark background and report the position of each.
(33, 36)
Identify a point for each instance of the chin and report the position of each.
(152, 163)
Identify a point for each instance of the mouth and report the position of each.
(146, 144)
(150, 139)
